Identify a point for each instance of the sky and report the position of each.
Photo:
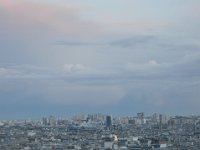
(99, 56)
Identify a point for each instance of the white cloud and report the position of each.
(8, 73)
(3, 71)
(153, 63)
(69, 68)
(25, 72)
(146, 66)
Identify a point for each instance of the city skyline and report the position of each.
(115, 57)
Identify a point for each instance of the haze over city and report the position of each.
(99, 56)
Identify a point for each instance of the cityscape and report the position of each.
(102, 132)
(100, 74)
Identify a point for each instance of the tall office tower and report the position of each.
(44, 121)
(52, 121)
(155, 117)
(108, 121)
(160, 122)
(140, 116)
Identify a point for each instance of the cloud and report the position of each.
(32, 18)
(134, 41)
(9, 73)
(135, 55)
(66, 43)
(25, 72)
(132, 86)
(150, 63)
(68, 68)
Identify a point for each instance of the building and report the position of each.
(52, 121)
(108, 121)
(140, 117)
